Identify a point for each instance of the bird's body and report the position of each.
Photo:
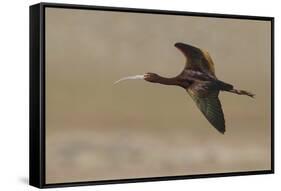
(199, 80)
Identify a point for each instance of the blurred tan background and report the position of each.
(97, 131)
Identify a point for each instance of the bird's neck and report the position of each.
(167, 81)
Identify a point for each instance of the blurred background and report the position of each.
(97, 131)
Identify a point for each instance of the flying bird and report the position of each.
(199, 80)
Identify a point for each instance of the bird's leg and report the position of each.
(242, 92)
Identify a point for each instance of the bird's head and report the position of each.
(151, 77)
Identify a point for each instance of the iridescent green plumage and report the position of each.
(211, 108)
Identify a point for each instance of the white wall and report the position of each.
(14, 39)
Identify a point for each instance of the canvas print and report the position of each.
(134, 95)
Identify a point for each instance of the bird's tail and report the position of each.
(242, 92)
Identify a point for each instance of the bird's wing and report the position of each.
(201, 61)
(209, 104)
(197, 59)
(207, 62)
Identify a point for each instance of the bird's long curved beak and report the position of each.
(136, 77)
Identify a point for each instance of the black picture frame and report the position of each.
(37, 94)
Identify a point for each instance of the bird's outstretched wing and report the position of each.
(197, 59)
(209, 104)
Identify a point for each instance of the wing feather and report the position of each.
(209, 62)
(197, 59)
(211, 108)
(201, 61)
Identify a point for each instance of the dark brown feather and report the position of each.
(209, 104)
